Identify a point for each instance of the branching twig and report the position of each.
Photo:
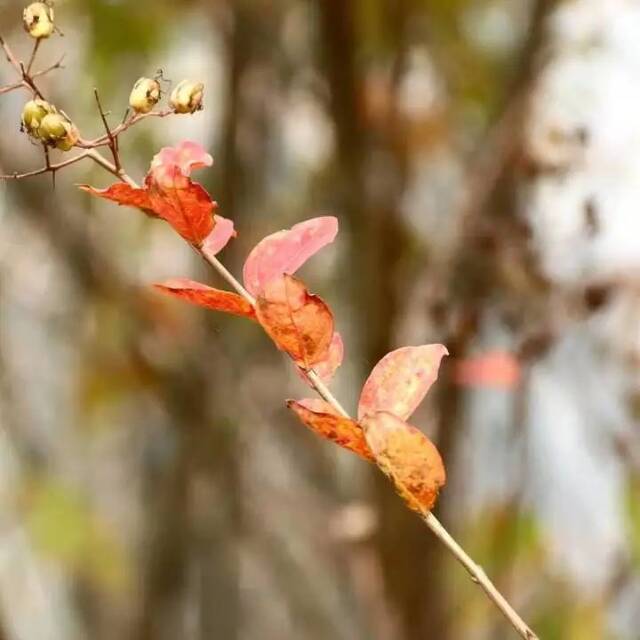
(112, 140)
(50, 168)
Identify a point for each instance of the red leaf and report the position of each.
(286, 251)
(123, 194)
(399, 382)
(204, 296)
(300, 323)
(323, 420)
(184, 204)
(407, 457)
(492, 369)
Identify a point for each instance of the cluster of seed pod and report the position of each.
(185, 98)
(38, 20)
(48, 125)
(44, 123)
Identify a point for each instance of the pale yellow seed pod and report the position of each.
(38, 20)
(58, 131)
(187, 97)
(33, 113)
(144, 95)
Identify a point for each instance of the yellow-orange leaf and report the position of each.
(208, 297)
(399, 382)
(323, 420)
(407, 457)
(301, 324)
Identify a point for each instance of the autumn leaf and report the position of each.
(204, 296)
(123, 194)
(170, 194)
(407, 457)
(186, 155)
(301, 324)
(323, 420)
(286, 251)
(399, 382)
(327, 368)
(218, 239)
(184, 204)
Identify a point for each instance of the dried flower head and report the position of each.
(33, 113)
(38, 20)
(56, 130)
(187, 97)
(145, 95)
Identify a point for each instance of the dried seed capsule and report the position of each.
(187, 97)
(144, 95)
(58, 131)
(38, 20)
(33, 113)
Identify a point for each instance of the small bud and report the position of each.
(144, 95)
(33, 113)
(187, 97)
(58, 131)
(38, 20)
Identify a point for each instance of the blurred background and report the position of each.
(483, 158)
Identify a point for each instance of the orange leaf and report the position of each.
(286, 251)
(326, 368)
(323, 420)
(301, 324)
(123, 194)
(204, 296)
(184, 204)
(407, 457)
(400, 381)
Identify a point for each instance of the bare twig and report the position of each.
(103, 141)
(49, 168)
(112, 140)
(13, 61)
(34, 53)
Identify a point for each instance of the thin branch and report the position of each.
(12, 87)
(113, 141)
(103, 141)
(34, 53)
(50, 168)
(13, 61)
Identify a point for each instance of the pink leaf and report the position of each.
(217, 240)
(286, 251)
(399, 382)
(186, 156)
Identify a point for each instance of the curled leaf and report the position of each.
(300, 323)
(407, 457)
(208, 297)
(286, 251)
(399, 382)
(186, 156)
(323, 420)
(123, 194)
(218, 239)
